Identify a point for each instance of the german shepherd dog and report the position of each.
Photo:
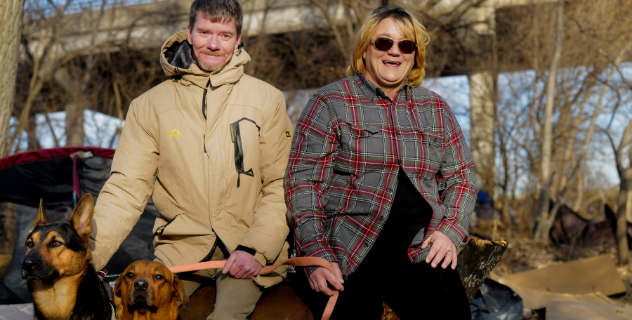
(61, 279)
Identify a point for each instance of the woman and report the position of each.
(380, 183)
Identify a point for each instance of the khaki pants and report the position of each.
(235, 299)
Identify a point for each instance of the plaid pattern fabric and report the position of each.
(342, 173)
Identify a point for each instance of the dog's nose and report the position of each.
(141, 285)
(29, 264)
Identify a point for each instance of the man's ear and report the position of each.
(238, 42)
(178, 290)
(81, 217)
(41, 218)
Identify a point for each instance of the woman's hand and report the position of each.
(442, 247)
(318, 280)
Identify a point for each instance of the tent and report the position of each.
(59, 177)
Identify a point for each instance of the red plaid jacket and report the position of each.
(342, 173)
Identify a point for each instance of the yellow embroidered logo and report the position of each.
(287, 134)
(174, 133)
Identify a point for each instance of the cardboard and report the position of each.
(572, 310)
(587, 276)
(536, 299)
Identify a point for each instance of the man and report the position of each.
(212, 145)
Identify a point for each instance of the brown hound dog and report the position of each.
(148, 290)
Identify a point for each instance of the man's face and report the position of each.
(213, 42)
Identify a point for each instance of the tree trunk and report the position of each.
(74, 124)
(476, 261)
(580, 192)
(624, 204)
(11, 12)
(545, 163)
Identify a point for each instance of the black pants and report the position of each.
(413, 291)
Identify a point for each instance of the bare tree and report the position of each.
(11, 12)
(545, 164)
(81, 55)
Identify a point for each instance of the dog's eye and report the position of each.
(129, 275)
(29, 244)
(55, 244)
(158, 277)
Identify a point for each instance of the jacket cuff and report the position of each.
(452, 231)
(247, 250)
(323, 252)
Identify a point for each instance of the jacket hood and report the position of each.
(176, 59)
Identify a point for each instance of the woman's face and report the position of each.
(388, 69)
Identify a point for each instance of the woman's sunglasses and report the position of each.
(385, 44)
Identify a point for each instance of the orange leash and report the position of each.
(299, 262)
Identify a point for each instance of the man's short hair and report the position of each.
(216, 11)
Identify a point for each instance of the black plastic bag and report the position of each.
(495, 301)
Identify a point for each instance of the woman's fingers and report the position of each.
(439, 256)
(434, 249)
(442, 248)
(338, 272)
(320, 280)
(449, 256)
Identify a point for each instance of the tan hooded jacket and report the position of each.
(217, 177)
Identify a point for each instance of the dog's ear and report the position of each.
(81, 217)
(116, 295)
(41, 218)
(178, 288)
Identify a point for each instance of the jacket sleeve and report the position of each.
(308, 177)
(269, 230)
(456, 180)
(125, 194)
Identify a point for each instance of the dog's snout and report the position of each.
(29, 264)
(141, 285)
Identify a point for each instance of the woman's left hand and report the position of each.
(441, 248)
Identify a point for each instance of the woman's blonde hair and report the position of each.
(412, 29)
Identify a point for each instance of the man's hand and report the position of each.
(319, 279)
(241, 265)
(442, 247)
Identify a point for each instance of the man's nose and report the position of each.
(213, 43)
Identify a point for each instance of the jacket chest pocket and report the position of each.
(244, 135)
(362, 147)
(430, 152)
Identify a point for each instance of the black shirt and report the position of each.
(409, 213)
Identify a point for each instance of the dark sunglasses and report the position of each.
(385, 44)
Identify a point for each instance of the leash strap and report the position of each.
(299, 262)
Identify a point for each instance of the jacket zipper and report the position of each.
(209, 256)
(208, 84)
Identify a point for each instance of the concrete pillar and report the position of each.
(482, 139)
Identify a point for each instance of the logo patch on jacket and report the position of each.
(174, 133)
(287, 134)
